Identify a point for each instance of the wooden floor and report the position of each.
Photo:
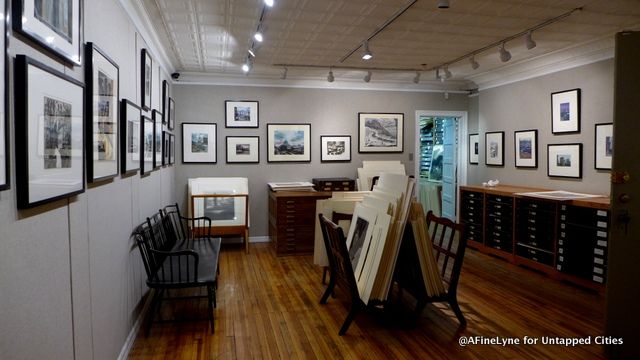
(268, 308)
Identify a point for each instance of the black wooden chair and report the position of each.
(340, 269)
(336, 217)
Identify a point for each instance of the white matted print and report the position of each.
(474, 148)
(146, 155)
(564, 160)
(526, 148)
(335, 148)
(199, 143)
(243, 149)
(130, 130)
(380, 132)
(241, 114)
(494, 148)
(565, 111)
(359, 237)
(604, 146)
(288, 142)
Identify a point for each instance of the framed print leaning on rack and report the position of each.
(49, 135)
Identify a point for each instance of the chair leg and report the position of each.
(355, 308)
(210, 301)
(324, 274)
(246, 240)
(328, 291)
(151, 313)
(456, 310)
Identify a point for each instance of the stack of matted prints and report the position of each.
(291, 186)
(370, 169)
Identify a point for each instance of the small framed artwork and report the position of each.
(165, 97)
(241, 114)
(565, 160)
(171, 115)
(102, 80)
(526, 148)
(199, 143)
(4, 124)
(474, 148)
(54, 25)
(157, 138)
(243, 149)
(380, 132)
(165, 148)
(130, 129)
(147, 153)
(289, 142)
(49, 135)
(172, 149)
(335, 148)
(494, 148)
(565, 111)
(146, 67)
(604, 146)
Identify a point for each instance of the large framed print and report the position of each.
(130, 137)
(165, 148)
(494, 148)
(474, 148)
(172, 149)
(604, 146)
(565, 160)
(380, 132)
(241, 114)
(49, 135)
(171, 115)
(565, 111)
(199, 143)
(243, 149)
(53, 24)
(102, 81)
(526, 148)
(146, 143)
(157, 138)
(335, 148)
(288, 142)
(4, 124)
(146, 69)
(165, 97)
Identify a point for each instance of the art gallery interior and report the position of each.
(113, 107)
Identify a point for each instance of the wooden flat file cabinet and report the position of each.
(292, 219)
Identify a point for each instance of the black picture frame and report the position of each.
(273, 149)
(474, 149)
(232, 143)
(165, 148)
(603, 146)
(58, 172)
(5, 153)
(172, 149)
(165, 98)
(130, 135)
(561, 162)
(364, 144)
(171, 115)
(494, 148)
(249, 117)
(325, 151)
(64, 42)
(157, 138)
(525, 155)
(565, 111)
(146, 79)
(147, 152)
(204, 149)
(101, 131)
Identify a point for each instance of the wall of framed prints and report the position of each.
(68, 273)
(538, 138)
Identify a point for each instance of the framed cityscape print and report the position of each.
(474, 148)
(146, 144)
(494, 148)
(526, 148)
(604, 146)
(102, 81)
(565, 160)
(49, 135)
(165, 148)
(565, 111)
(288, 142)
(146, 68)
(243, 149)
(165, 97)
(199, 143)
(157, 138)
(335, 148)
(54, 25)
(241, 114)
(172, 149)
(380, 132)
(171, 115)
(4, 124)
(130, 129)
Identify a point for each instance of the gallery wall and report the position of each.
(329, 111)
(526, 105)
(71, 281)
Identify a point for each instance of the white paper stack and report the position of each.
(291, 186)
(370, 169)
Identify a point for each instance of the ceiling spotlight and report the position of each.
(367, 53)
(529, 41)
(284, 74)
(252, 53)
(258, 36)
(504, 54)
(443, 4)
(447, 73)
(416, 79)
(245, 67)
(330, 77)
(474, 63)
(269, 3)
(367, 77)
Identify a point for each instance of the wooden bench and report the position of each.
(174, 258)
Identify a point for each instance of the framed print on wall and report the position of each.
(165, 148)
(335, 148)
(102, 80)
(474, 148)
(565, 111)
(494, 148)
(146, 143)
(199, 143)
(165, 97)
(157, 138)
(380, 132)
(564, 160)
(604, 146)
(243, 149)
(146, 68)
(171, 116)
(4, 124)
(49, 135)
(288, 142)
(241, 114)
(130, 130)
(172, 149)
(526, 148)
(54, 25)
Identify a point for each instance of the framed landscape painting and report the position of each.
(288, 142)
(494, 148)
(565, 160)
(565, 111)
(604, 146)
(335, 148)
(474, 151)
(49, 135)
(241, 114)
(130, 131)
(243, 149)
(526, 148)
(146, 68)
(380, 132)
(199, 143)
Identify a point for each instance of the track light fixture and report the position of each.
(529, 41)
(284, 74)
(246, 67)
(252, 53)
(258, 36)
(443, 4)
(367, 53)
(367, 77)
(447, 73)
(504, 54)
(269, 3)
(474, 63)
(330, 77)
(416, 79)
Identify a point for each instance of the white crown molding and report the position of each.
(143, 25)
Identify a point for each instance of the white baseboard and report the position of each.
(133, 333)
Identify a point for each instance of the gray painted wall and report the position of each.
(330, 112)
(527, 105)
(70, 281)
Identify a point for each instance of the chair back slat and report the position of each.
(449, 244)
(339, 261)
